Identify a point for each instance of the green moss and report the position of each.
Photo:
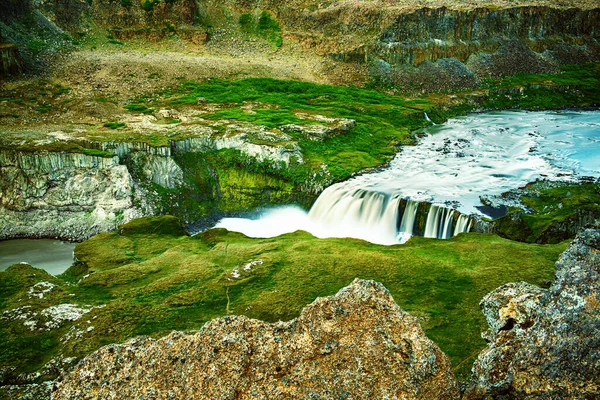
(57, 146)
(114, 125)
(246, 22)
(148, 5)
(138, 108)
(153, 278)
(556, 211)
(166, 225)
(266, 26)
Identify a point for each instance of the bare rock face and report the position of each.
(545, 344)
(357, 344)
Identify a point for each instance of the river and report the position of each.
(53, 256)
(452, 166)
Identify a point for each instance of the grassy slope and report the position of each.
(383, 120)
(154, 279)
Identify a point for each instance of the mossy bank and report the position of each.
(149, 277)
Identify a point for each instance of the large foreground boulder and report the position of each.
(545, 344)
(357, 344)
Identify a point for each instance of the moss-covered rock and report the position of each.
(555, 212)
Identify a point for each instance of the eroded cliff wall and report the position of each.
(67, 195)
(75, 195)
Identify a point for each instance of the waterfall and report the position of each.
(463, 224)
(357, 213)
(381, 217)
(408, 218)
(428, 119)
(439, 222)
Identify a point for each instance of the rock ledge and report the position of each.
(356, 344)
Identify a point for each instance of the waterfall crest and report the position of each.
(384, 218)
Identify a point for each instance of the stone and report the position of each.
(545, 344)
(357, 344)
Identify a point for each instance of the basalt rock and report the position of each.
(544, 344)
(356, 344)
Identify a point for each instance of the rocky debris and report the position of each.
(356, 344)
(40, 289)
(34, 391)
(545, 343)
(47, 319)
(335, 126)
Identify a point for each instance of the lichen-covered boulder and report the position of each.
(357, 344)
(545, 344)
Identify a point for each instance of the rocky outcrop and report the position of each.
(67, 195)
(10, 60)
(543, 344)
(357, 344)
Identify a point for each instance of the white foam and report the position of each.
(454, 163)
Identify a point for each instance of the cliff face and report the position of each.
(357, 344)
(447, 48)
(67, 195)
(544, 343)
(74, 196)
(432, 34)
(10, 60)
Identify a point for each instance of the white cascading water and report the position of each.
(439, 223)
(359, 213)
(407, 223)
(463, 223)
(468, 157)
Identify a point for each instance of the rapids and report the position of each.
(432, 188)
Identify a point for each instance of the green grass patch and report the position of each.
(148, 5)
(114, 125)
(264, 26)
(138, 108)
(153, 278)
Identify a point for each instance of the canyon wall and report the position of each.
(415, 46)
(67, 195)
(74, 196)
(442, 48)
